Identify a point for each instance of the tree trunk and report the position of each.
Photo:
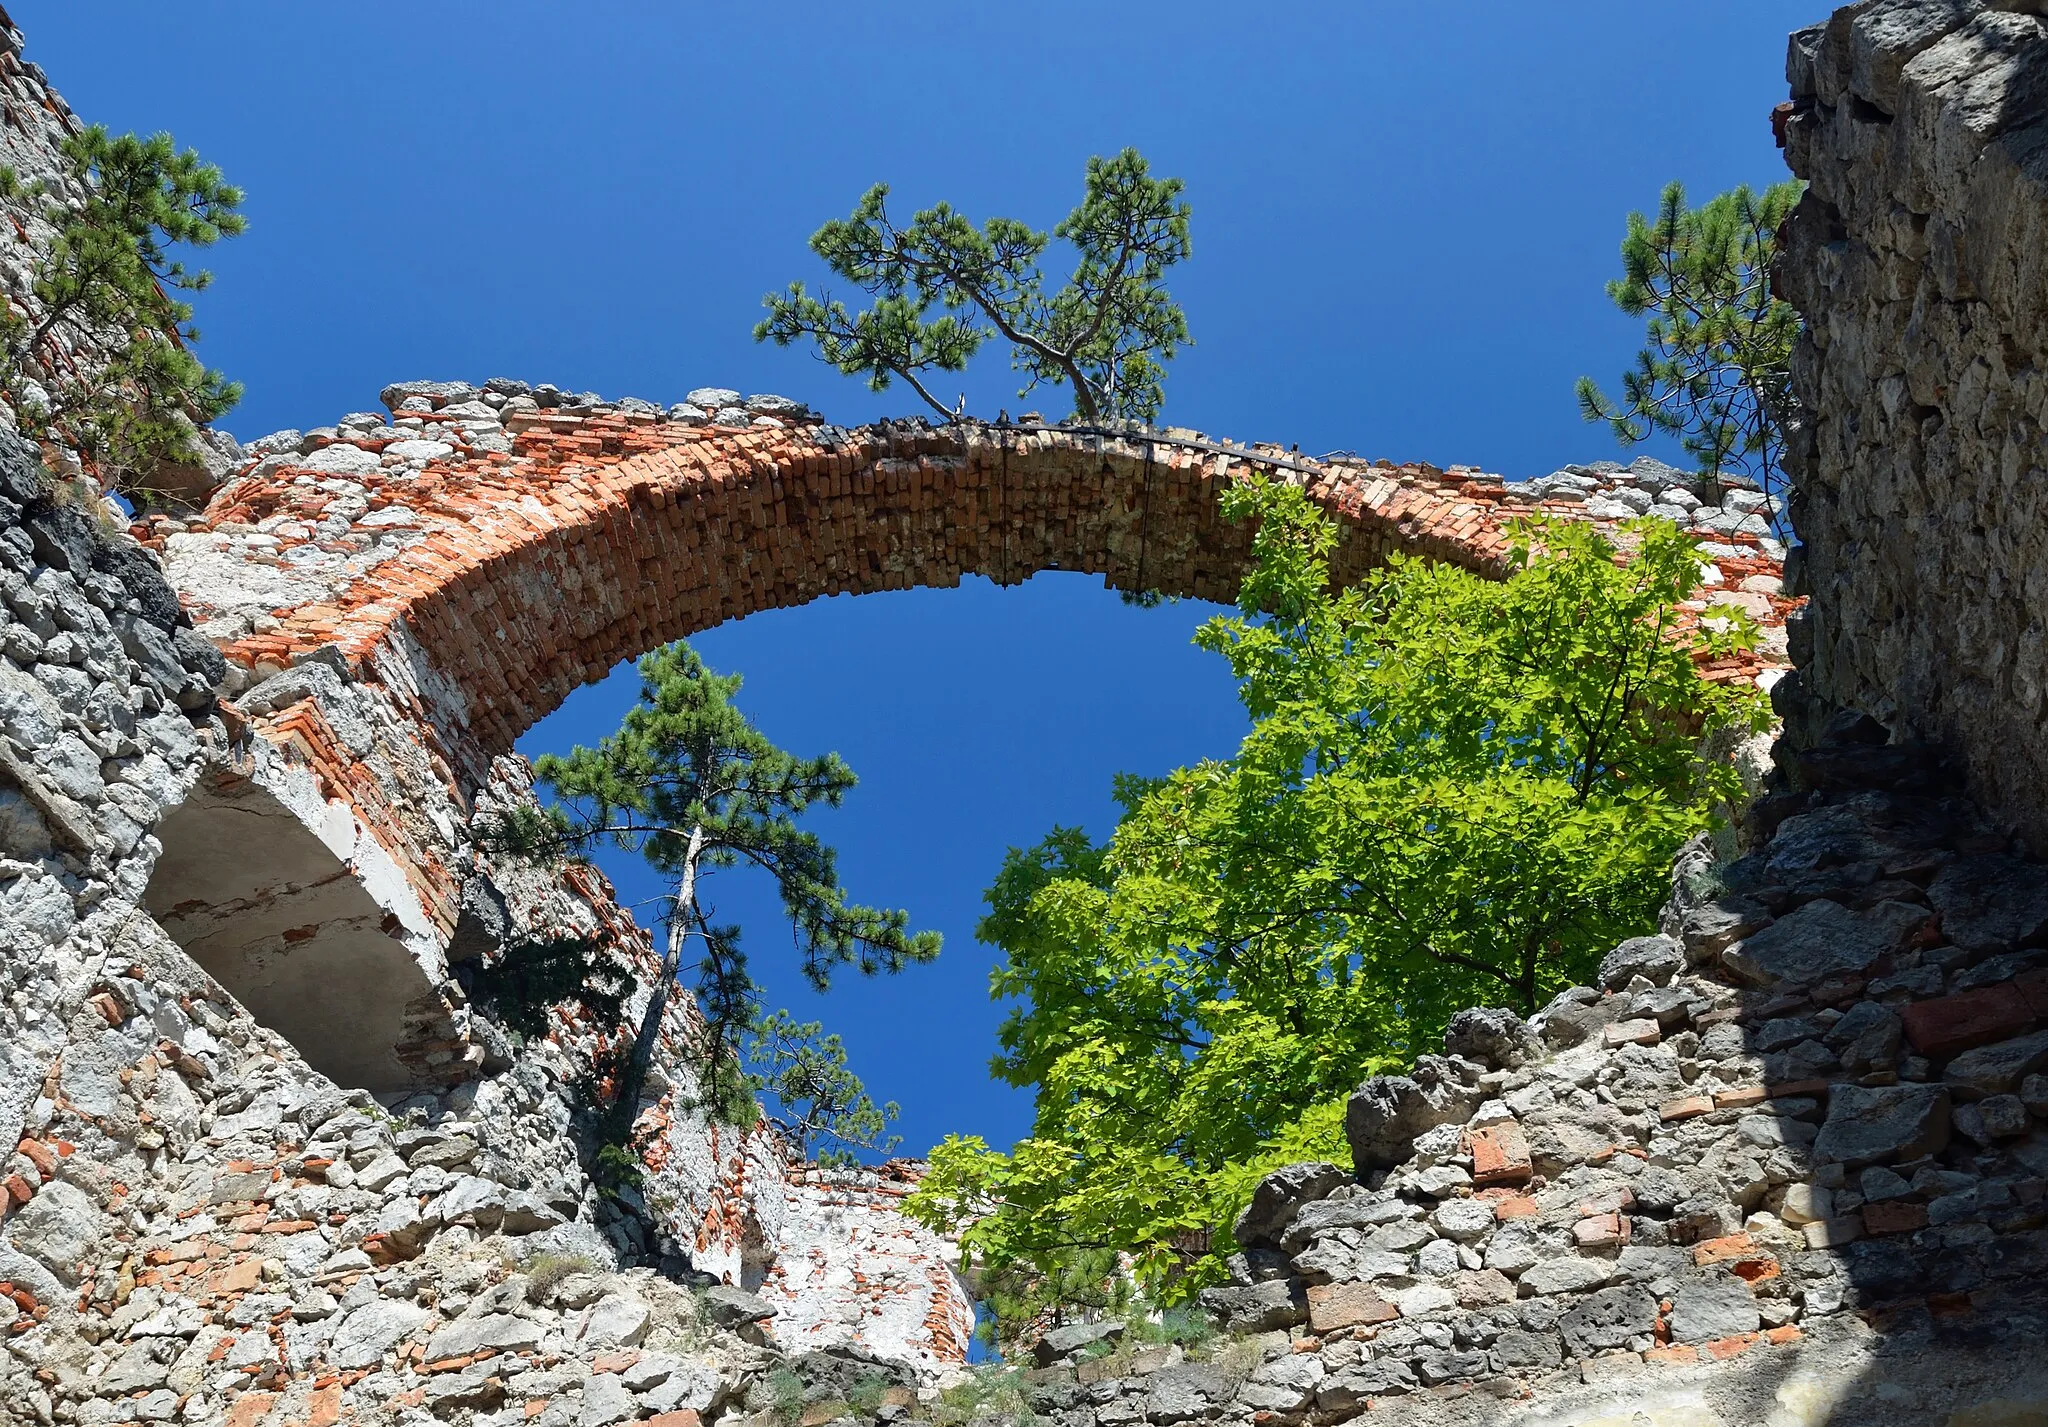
(642, 1054)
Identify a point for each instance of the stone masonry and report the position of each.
(1917, 256)
(276, 1167)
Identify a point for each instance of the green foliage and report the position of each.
(529, 978)
(1455, 791)
(985, 1393)
(693, 787)
(813, 1098)
(129, 398)
(866, 1394)
(786, 1390)
(1106, 333)
(1717, 371)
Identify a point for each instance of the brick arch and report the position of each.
(397, 611)
(600, 538)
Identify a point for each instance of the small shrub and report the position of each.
(865, 1396)
(787, 1390)
(545, 1271)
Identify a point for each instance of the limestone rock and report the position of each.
(1823, 939)
(1867, 1124)
(1491, 1036)
(1384, 1115)
(57, 1227)
(1279, 1196)
(1701, 1312)
(1655, 958)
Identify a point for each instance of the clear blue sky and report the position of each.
(1403, 215)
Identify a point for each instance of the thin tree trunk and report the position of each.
(642, 1054)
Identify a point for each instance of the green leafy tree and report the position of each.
(1456, 791)
(1717, 370)
(1106, 334)
(693, 787)
(106, 291)
(814, 1099)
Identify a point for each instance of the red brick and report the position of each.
(2033, 986)
(1686, 1108)
(1500, 1155)
(1600, 1231)
(1679, 1353)
(250, 1408)
(1941, 1028)
(323, 1408)
(1346, 1305)
(1722, 1349)
(684, 1417)
(1724, 1250)
(1787, 1334)
(1741, 1099)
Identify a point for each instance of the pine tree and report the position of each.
(1105, 333)
(691, 785)
(1717, 371)
(816, 1100)
(130, 394)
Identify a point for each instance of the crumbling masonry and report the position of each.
(1787, 1163)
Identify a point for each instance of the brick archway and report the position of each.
(397, 607)
(525, 576)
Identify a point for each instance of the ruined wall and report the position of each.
(850, 1268)
(1787, 1163)
(1917, 257)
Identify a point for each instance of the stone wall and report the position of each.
(850, 1268)
(1917, 257)
(1787, 1163)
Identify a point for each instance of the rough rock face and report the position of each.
(1917, 257)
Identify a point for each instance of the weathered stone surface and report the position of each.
(499, 1331)
(1384, 1115)
(363, 1337)
(1072, 1337)
(1655, 958)
(1258, 1307)
(1279, 1196)
(1608, 1319)
(1570, 1274)
(1823, 939)
(1991, 903)
(1867, 1124)
(57, 1228)
(614, 1321)
(1995, 1069)
(1185, 1391)
(730, 1307)
(1716, 1309)
(1493, 1037)
(605, 1401)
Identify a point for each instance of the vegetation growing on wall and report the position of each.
(1105, 334)
(101, 361)
(1456, 791)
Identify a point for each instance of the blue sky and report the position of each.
(1403, 216)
